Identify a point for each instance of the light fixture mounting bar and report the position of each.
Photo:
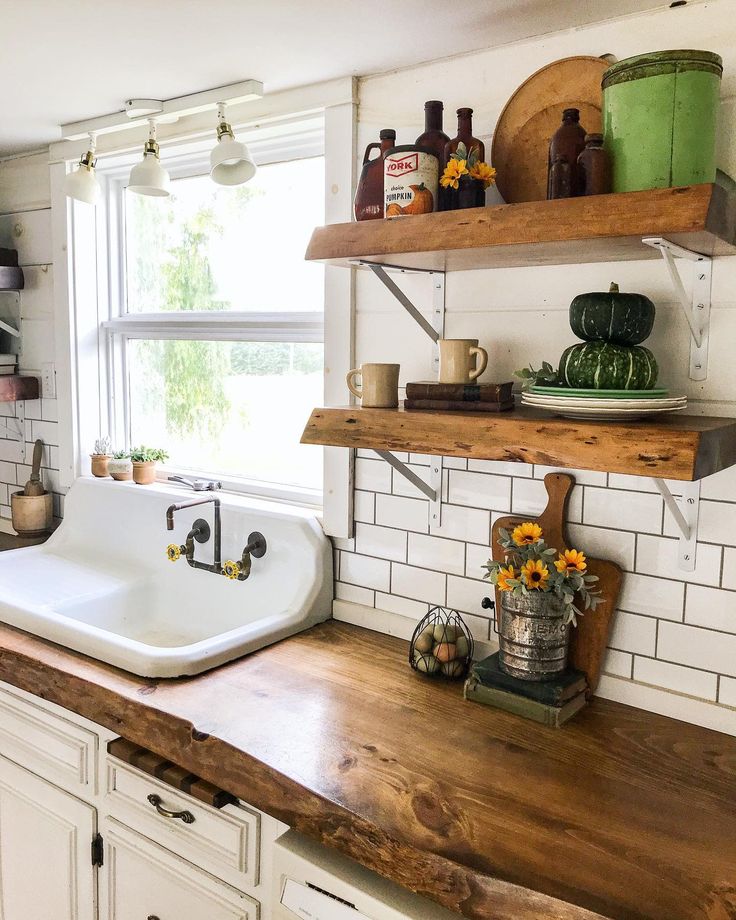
(170, 109)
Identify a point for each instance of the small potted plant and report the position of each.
(101, 456)
(144, 461)
(541, 591)
(120, 466)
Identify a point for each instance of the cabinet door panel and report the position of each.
(143, 880)
(46, 869)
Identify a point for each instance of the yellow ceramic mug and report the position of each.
(458, 360)
(379, 385)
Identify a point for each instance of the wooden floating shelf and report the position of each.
(600, 228)
(683, 447)
(14, 387)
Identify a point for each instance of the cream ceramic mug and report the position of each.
(458, 360)
(379, 385)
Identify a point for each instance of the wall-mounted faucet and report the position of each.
(200, 532)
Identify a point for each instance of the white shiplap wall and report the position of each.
(673, 647)
(25, 225)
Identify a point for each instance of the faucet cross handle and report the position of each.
(174, 551)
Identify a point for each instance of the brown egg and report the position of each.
(445, 651)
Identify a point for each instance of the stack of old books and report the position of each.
(550, 702)
(462, 397)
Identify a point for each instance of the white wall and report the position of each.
(25, 225)
(673, 647)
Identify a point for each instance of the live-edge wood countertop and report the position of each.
(621, 813)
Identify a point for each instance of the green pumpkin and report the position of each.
(603, 366)
(610, 316)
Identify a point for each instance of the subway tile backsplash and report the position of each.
(674, 631)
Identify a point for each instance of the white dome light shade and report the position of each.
(230, 161)
(82, 184)
(149, 177)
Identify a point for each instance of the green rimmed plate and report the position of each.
(598, 394)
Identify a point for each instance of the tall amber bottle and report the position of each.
(568, 141)
(433, 136)
(368, 202)
(465, 136)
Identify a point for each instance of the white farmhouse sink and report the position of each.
(102, 584)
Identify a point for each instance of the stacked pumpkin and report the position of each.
(611, 357)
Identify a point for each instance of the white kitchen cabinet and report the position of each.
(60, 793)
(46, 870)
(141, 880)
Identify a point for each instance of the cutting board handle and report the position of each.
(553, 519)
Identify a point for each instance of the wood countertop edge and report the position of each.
(370, 817)
(454, 886)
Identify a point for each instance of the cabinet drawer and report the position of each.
(224, 841)
(47, 744)
(142, 880)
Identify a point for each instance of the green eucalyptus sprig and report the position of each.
(546, 376)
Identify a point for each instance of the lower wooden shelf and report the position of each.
(683, 447)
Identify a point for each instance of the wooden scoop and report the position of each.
(34, 486)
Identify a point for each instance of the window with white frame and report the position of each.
(215, 338)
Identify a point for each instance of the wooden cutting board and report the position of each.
(588, 641)
(521, 139)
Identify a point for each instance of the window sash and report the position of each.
(220, 326)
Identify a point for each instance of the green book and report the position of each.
(553, 692)
(551, 716)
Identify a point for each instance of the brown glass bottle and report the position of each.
(368, 203)
(559, 179)
(464, 136)
(433, 136)
(568, 141)
(594, 167)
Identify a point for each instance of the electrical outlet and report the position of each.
(48, 380)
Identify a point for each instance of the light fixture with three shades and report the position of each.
(230, 164)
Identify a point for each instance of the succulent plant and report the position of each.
(103, 446)
(147, 454)
(121, 455)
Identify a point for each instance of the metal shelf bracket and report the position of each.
(433, 489)
(697, 306)
(435, 329)
(685, 515)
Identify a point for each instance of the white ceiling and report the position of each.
(64, 61)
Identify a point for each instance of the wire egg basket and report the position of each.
(441, 645)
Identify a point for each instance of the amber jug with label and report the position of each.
(368, 203)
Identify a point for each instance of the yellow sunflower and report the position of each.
(571, 561)
(526, 534)
(504, 574)
(453, 171)
(535, 574)
(484, 173)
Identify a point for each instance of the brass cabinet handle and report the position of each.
(186, 816)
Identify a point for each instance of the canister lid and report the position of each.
(661, 62)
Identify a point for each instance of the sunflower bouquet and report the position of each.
(530, 565)
(463, 163)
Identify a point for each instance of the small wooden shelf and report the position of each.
(601, 228)
(11, 275)
(682, 447)
(14, 387)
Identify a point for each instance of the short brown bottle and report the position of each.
(464, 136)
(368, 203)
(594, 167)
(568, 141)
(433, 136)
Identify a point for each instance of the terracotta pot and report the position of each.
(32, 515)
(99, 465)
(121, 470)
(144, 472)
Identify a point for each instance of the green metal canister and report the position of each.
(660, 113)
